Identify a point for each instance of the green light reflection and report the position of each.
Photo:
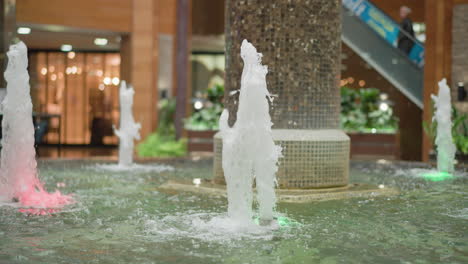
(437, 176)
(282, 221)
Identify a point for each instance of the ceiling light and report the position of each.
(100, 41)
(107, 81)
(115, 81)
(23, 30)
(71, 55)
(66, 47)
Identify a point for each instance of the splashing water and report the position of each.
(129, 130)
(248, 147)
(18, 168)
(443, 115)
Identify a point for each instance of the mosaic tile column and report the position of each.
(301, 43)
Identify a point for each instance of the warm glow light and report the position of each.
(384, 107)
(71, 55)
(53, 77)
(102, 87)
(115, 81)
(74, 70)
(107, 81)
(99, 73)
(198, 105)
(362, 83)
(24, 30)
(68, 70)
(51, 69)
(66, 47)
(383, 96)
(196, 181)
(350, 80)
(100, 41)
(43, 71)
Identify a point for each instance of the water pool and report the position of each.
(122, 217)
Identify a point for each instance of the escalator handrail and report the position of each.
(384, 42)
(416, 41)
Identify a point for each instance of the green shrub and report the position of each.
(207, 118)
(360, 112)
(157, 145)
(459, 130)
(162, 143)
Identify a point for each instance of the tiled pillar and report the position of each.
(301, 44)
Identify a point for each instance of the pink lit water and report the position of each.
(19, 179)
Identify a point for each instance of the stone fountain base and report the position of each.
(287, 195)
(311, 158)
(314, 167)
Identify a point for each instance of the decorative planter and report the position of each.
(200, 140)
(365, 144)
(378, 144)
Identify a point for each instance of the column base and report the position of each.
(311, 158)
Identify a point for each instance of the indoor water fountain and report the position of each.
(19, 179)
(444, 141)
(443, 137)
(305, 112)
(125, 217)
(249, 147)
(129, 130)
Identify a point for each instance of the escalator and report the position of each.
(371, 34)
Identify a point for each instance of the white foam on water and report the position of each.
(210, 227)
(117, 167)
(462, 214)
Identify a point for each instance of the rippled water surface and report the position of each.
(121, 217)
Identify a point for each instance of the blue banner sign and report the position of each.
(384, 26)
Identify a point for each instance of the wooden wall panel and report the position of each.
(143, 66)
(208, 17)
(113, 15)
(438, 50)
(166, 12)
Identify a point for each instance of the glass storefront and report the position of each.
(79, 90)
